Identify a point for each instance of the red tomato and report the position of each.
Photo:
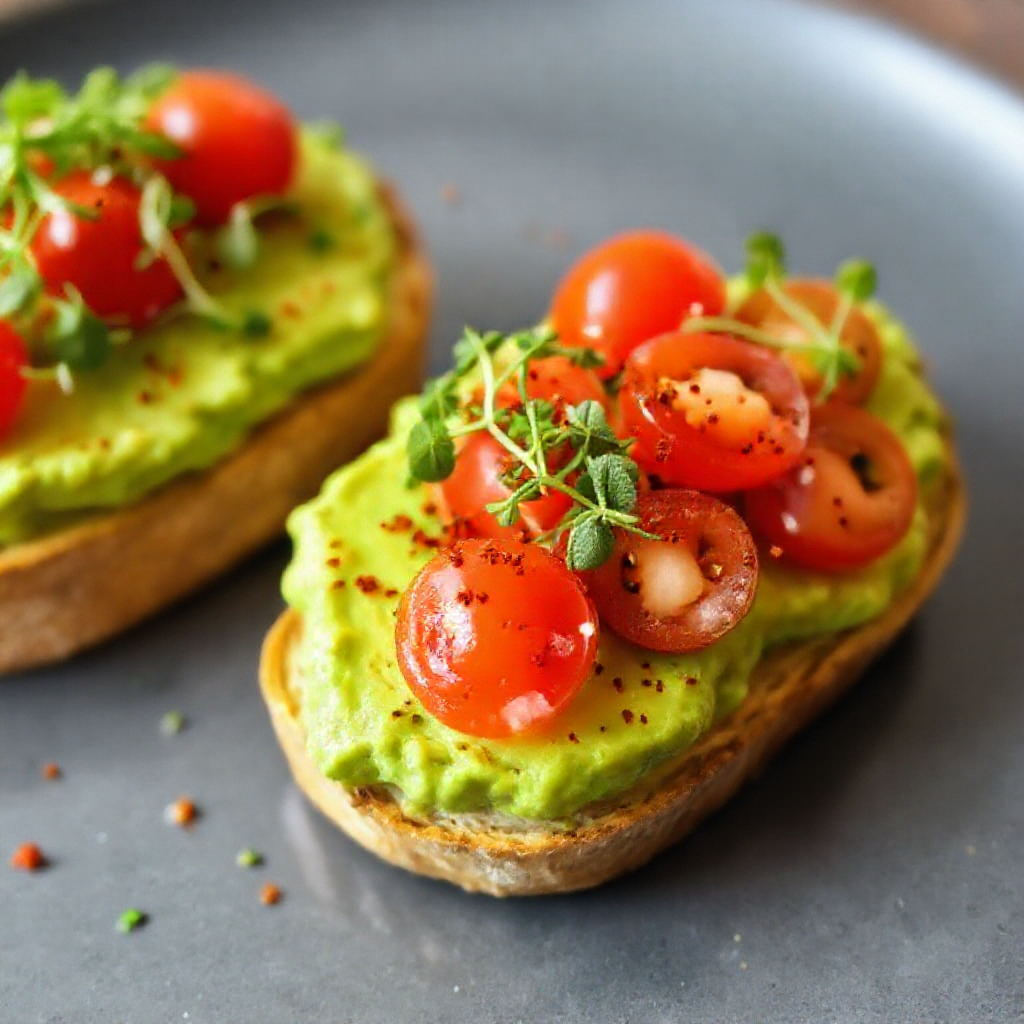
(237, 141)
(712, 412)
(13, 358)
(495, 639)
(821, 300)
(850, 498)
(556, 379)
(98, 256)
(682, 592)
(630, 289)
(476, 482)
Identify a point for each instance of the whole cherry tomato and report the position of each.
(821, 300)
(494, 638)
(849, 499)
(99, 255)
(686, 590)
(13, 359)
(237, 141)
(477, 481)
(630, 289)
(712, 412)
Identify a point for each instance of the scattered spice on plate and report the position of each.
(28, 857)
(131, 919)
(51, 771)
(182, 812)
(249, 858)
(269, 894)
(172, 723)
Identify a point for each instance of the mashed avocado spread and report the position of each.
(358, 545)
(183, 394)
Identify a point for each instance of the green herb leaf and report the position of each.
(18, 290)
(857, 279)
(431, 451)
(590, 544)
(172, 723)
(131, 919)
(766, 258)
(76, 337)
(249, 858)
(613, 482)
(321, 240)
(238, 244)
(589, 429)
(256, 324)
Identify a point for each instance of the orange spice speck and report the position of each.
(269, 894)
(181, 812)
(775, 551)
(28, 857)
(51, 771)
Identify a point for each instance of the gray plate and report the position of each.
(875, 871)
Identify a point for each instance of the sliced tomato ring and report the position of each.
(821, 300)
(495, 638)
(712, 412)
(686, 590)
(849, 500)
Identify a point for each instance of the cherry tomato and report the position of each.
(556, 379)
(683, 592)
(237, 141)
(13, 358)
(476, 482)
(495, 638)
(99, 256)
(630, 289)
(712, 412)
(850, 498)
(821, 300)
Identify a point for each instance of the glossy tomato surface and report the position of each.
(556, 379)
(630, 289)
(13, 359)
(850, 498)
(686, 590)
(237, 141)
(477, 481)
(495, 638)
(99, 255)
(821, 300)
(712, 412)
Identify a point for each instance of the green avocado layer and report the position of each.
(182, 394)
(363, 725)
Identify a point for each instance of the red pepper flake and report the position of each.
(337, 584)
(691, 680)
(51, 771)
(618, 684)
(397, 524)
(598, 668)
(573, 738)
(643, 719)
(269, 894)
(391, 592)
(424, 540)
(603, 728)
(646, 683)
(659, 686)
(28, 857)
(775, 551)
(290, 308)
(367, 584)
(335, 544)
(145, 398)
(646, 665)
(333, 562)
(429, 508)
(627, 716)
(416, 719)
(182, 812)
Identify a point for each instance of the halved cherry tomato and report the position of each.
(711, 412)
(13, 358)
(682, 592)
(99, 256)
(556, 379)
(237, 141)
(495, 639)
(850, 498)
(821, 300)
(477, 481)
(630, 289)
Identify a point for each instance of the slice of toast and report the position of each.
(790, 686)
(71, 589)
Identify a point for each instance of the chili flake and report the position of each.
(269, 894)
(181, 812)
(51, 771)
(28, 857)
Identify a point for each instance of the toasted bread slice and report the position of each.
(492, 854)
(74, 588)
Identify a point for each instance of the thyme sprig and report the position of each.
(569, 449)
(822, 343)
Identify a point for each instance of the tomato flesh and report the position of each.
(712, 412)
(494, 638)
(99, 256)
(477, 482)
(630, 289)
(850, 498)
(237, 141)
(686, 590)
(13, 359)
(821, 300)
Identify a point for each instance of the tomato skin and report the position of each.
(820, 513)
(238, 141)
(723, 449)
(707, 554)
(821, 299)
(494, 638)
(476, 482)
(630, 289)
(556, 379)
(13, 358)
(98, 256)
